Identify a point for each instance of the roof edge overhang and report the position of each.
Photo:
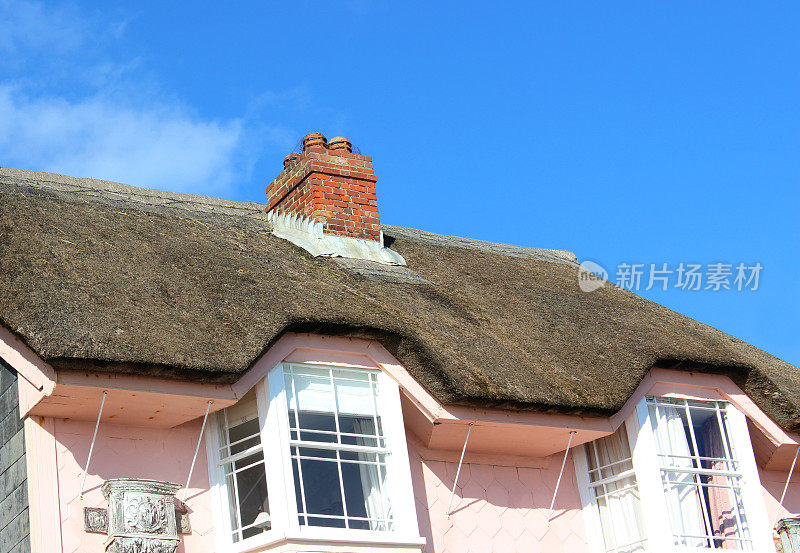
(525, 436)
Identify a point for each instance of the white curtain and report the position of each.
(683, 498)
(371, 481)
(620, 512)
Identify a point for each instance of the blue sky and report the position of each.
(635, 132)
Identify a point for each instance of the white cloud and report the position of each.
(158, 146)
(68, 106)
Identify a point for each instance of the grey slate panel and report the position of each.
(14, 519)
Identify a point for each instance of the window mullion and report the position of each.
(235, 480)
(373, 392)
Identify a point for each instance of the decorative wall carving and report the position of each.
(96, 520)
(141, 516)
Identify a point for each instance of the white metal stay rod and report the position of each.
(199, 439)
(458, 472)
(560, 474)
(786, 486)
(94, 437)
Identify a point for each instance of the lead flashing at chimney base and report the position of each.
(325, 202)
(306, 233)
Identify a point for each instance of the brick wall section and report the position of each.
(14, 519)
(335, 188)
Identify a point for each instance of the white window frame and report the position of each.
(273, 418)
(653, 500)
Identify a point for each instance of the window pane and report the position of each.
(317, 421)
(252, 491)
(312, 394)
(321, 484)
(244, 436)
(354, 397)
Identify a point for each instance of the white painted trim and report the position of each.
(399, 469)
(752, 495)
(279, 470)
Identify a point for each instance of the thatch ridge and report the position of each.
(114, 283)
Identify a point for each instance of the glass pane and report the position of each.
(358, 481)
(317, 421)
(247, 493)
(329, 522)
(244, 436)
(313, 394)
(252, 488)
(355, 397)
(321, 484)
(318, 453)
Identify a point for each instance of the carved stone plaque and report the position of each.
(141, 516)
(95, 520)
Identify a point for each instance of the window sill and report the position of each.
(316, 539)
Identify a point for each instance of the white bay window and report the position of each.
(314, 452)
(678, 475)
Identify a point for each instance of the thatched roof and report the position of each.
(112, 278)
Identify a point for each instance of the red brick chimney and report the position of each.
(328, 184)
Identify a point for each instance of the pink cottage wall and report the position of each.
(126, 451)
(497, 508)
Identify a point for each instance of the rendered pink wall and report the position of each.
(126, 451)
(497, 508)
(773, 481)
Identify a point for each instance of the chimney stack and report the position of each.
(327, 193)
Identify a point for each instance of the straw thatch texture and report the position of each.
(107, 277)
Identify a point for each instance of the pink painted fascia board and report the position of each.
(703, 386)
(443, 427)
(132, 399)
(524, 434)
(37, 377)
